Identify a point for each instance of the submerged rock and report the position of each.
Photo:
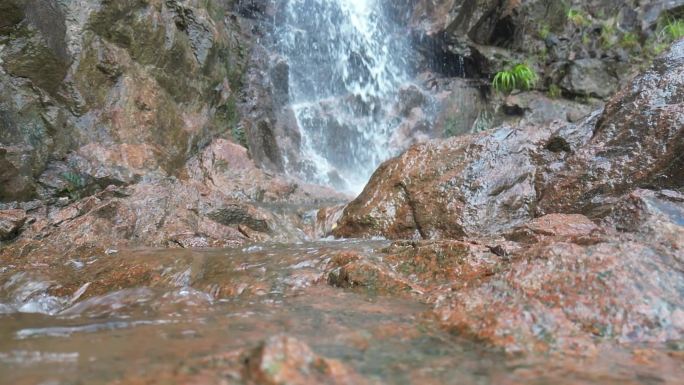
(283, 360)
(558, 283)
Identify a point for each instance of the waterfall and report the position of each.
(347, 61)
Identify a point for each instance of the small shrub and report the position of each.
(520, 77)
(673, 29)
(669, 29)
(544, 31)
(504, 81)
(577, 18)
(608, 35)
(555, 91)
(629, 41)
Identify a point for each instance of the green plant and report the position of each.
(669, 29)
(504, 81)
(608, 34)
(544, 31)
(577, 17)
(673, 29)
(629, 40)
(520, 77)
(525, 76)
(555, 91)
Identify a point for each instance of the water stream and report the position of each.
(347, 61)
(190, 317)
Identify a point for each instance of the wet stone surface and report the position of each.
(268, 314)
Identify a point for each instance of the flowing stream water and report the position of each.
(347, 61)
(191, 317)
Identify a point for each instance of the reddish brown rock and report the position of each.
(555, 226)
(453, 188)
(485, 184)
(567, 297)
(422, 267)
(283, 360)
(637, 142)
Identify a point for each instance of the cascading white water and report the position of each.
(347, 61)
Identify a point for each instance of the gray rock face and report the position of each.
(589, 77)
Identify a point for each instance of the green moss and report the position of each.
(544, 31)
(629, 41)
(555, 91)
(609, 35)
(577, 17)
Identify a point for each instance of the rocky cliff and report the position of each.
(143, 110)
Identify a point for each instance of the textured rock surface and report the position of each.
(285, 360)
(10, 223)
(637, 142)
(220, 199)
(559, 283)
(106, 92)
(486, 183)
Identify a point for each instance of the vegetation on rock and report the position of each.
(520, 77)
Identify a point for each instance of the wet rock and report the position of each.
(10, 223)
(448, 189)
(637, 142)
(537, 108)
(326, 220)
(561, 282)
(284, 360)
(422, 268)
(555, 226)
(213, 204)
(657, 215)
(491, 182)
(371, 277)
(589, 77)
(567, 296)
(463, 108)
(133, 95)
(240, 215)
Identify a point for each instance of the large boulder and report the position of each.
(559, 283)
(486, 183)
(637, 142)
